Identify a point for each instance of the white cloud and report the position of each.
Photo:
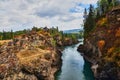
(87, 1)
(22, 14)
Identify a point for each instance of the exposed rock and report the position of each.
(94, 68)
(102, 48)
(29, 57)
(66, 42)
(114, 15)
(81, 48)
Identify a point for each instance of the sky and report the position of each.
(24, 14)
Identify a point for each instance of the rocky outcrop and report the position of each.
(69, 42)
(29, 57)
(102, 47)
(114, 15)
(102, 69)
(64, 42)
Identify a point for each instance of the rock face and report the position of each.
(114, 15)
(67, 42)
(102, 48)
(29, 57)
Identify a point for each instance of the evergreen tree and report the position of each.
(4, 35)
(12, 34)
(109, 1)
(97, 14)
(85, 14)
(90, 21)
(57, 29)
(116, 3)
(103, 6)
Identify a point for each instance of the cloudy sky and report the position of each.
(24, 14)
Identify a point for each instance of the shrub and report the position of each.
(110, 50)
(102, 22)
(101, 44)
(53, 43)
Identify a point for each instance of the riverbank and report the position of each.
(32, 56)
(102, 47)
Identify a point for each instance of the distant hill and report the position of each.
(72, 31)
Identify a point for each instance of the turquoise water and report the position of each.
(73, 66)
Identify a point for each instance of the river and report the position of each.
(74, 67)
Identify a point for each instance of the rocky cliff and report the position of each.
(31, 56)
(102, 47)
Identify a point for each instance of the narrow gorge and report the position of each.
(73, 65)
(59, 39)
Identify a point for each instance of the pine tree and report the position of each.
(85, 13)
(4, 35)
(103, 5)
(109, 1)
(90, 21)
(116, 3)
(12, 34)
(97, 14)
(57, 29)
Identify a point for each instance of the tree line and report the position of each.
(6, 35)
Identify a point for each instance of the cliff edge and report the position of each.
(102, 47)
(31, 56)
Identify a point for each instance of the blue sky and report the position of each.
(24, 14)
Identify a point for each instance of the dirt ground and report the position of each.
(4, 41)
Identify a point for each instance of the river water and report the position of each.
(74, 67)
